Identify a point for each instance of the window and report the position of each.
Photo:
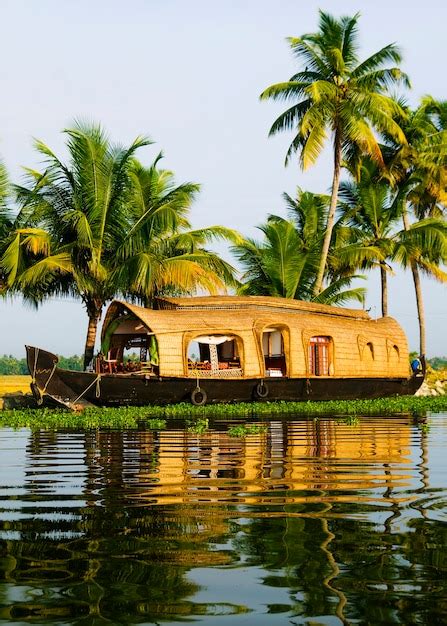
(320, 356)
(214, 356)
(273, 351)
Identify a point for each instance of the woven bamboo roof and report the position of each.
(229, 313)
(266, 303)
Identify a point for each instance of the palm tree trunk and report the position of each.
(420, 307)
(94, 315)
(419, 299)
(384, 284)
(318, 287)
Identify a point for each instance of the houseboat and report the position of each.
(232, 349)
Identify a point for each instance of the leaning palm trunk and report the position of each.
(420, 307)
(318, 287)
(419, 299)
(384, 288)
(94, 315)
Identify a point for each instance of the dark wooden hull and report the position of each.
(74, 388)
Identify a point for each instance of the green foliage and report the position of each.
(103, 226)
(349, 420)
(197, 426)
(438, 362)
(335, 95)
(131, 417)
(70, 363)
(90, 418)
(10, 365)
(5, 213)
(285, 263)
(243, 430)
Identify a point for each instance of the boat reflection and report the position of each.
(321, 519)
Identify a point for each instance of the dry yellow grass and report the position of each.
(434, 375)
(11, 384)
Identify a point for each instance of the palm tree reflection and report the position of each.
(111, 523)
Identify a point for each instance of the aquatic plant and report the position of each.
(349, 420)
(146, 416)
(198, 426)
(242, 430)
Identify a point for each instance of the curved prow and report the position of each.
(40, 362)
(419, 368)
(42, 366)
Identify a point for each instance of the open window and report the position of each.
(215, 356)
(128, 346)
(321, 360)
(273, 351)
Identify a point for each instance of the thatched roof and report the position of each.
(265, 303)
(229, 313)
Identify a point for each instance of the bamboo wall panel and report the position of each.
(361, 347)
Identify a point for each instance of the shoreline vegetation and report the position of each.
(154, 417)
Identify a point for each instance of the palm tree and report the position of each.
(5, 214)
(96, 228)
(370, 211)
(336, 94)
(158, 254)
(418, 170)
(284, 263)
(74, 211)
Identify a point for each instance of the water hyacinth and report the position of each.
(154, 416)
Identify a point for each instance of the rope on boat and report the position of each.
(49, 378)
(36, 355)
(96, 381)
(40, 391)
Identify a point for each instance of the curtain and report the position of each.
(213, 340)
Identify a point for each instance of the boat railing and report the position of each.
(205, 370)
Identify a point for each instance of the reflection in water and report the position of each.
(311, 521)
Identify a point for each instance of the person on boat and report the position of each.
(416, 366)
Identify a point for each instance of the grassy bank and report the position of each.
(131, 417)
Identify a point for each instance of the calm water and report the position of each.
(311, 522)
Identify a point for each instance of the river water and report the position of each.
(308, 522)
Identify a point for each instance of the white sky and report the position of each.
(189, 73)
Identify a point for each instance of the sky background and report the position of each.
(188, 73)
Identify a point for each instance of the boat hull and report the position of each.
(75, 389)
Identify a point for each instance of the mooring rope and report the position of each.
(97, 380)
(36, 354)
(34, 381)
(49, 378)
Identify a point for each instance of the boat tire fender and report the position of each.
(198, 397)
(262, 390)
